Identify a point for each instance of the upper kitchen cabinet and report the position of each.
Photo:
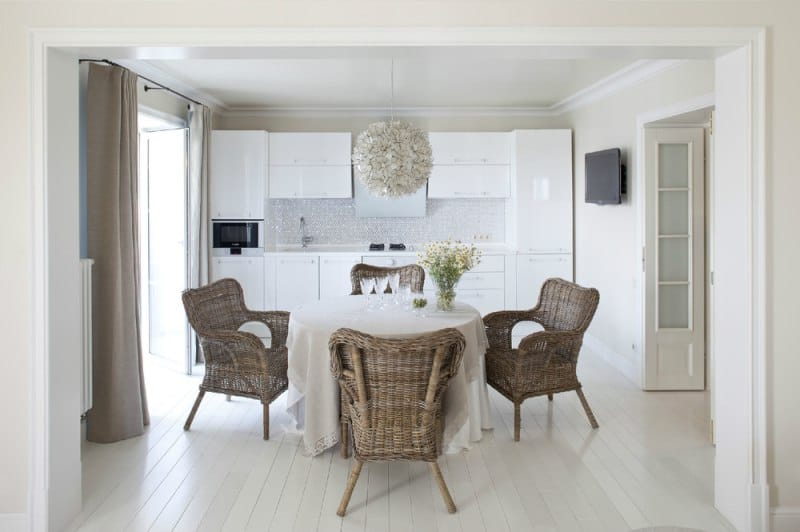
(310, 165)
(541, 191)
(238, 174)
(470, 148)
(469, 165)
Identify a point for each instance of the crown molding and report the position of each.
(385, 112)
(633, 74)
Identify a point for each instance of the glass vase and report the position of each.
(446, 294)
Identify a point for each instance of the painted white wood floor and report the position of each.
(648, 465)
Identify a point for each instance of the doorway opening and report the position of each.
(163, 240)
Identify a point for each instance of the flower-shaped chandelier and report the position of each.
(393, 158)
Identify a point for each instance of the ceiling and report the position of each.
(367, 82)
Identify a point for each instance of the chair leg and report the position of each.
(448, 500)
(517, 420)
(348, 491)
(189, 420)
(586, 408)
(266, 420)
(549, 396)
(345, 450)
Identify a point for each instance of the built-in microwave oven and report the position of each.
(237, 237)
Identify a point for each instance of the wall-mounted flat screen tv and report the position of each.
(605, 177)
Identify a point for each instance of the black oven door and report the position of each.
(235, 235)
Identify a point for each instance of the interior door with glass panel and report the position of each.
(674, 259)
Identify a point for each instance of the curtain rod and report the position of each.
(159, 86)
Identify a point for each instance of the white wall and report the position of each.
(607, 244)
(782, 17)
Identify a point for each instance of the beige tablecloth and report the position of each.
(313, 396)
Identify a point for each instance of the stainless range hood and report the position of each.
(371, 206)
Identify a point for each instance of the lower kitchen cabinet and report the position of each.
(249, 271)
(334, 275)
(296, 280)
(532, 271)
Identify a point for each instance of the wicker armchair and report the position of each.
(237, 362)
(546, 361)
(393, 390)
(411, 274)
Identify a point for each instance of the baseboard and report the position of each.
(13, 522)
(784, 519)
(612, 358)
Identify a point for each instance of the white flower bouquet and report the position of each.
(446, 261)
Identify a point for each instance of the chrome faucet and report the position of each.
(305, 240)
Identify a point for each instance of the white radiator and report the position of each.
(86, 335)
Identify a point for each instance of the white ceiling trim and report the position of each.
(628, 76)
(239, 112)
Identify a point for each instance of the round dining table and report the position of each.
(313, 395)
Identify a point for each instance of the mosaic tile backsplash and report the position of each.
(333, 221)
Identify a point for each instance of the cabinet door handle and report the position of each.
(457, 160)
(547, 260)
(298, 261)
(310, 161)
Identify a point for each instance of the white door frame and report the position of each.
(43, 40)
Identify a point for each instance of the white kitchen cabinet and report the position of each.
(310, 149)
(541, 191)
(296, 280)
(310, 165)
(249, 271)
(469, 165)
(532, 271)
(470, 148)
(238, 174)
(334, 274)
(469, 181)
(292, 182)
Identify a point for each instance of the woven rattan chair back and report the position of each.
(393, 389)
(215, 306)
(410, 274)
(566, 306)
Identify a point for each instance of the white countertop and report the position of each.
(363, 249)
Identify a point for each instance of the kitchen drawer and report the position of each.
(485, 301)
(389, 261)
(481, 280)
(491, 263)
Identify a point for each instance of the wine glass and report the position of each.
(367, 286)
(394, 284)
(404, 291)
(381, 284)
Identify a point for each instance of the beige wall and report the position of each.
(607, 244)
(358, 123)
(783, 185)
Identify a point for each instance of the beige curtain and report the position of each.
(199, 255)
(120, 402)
